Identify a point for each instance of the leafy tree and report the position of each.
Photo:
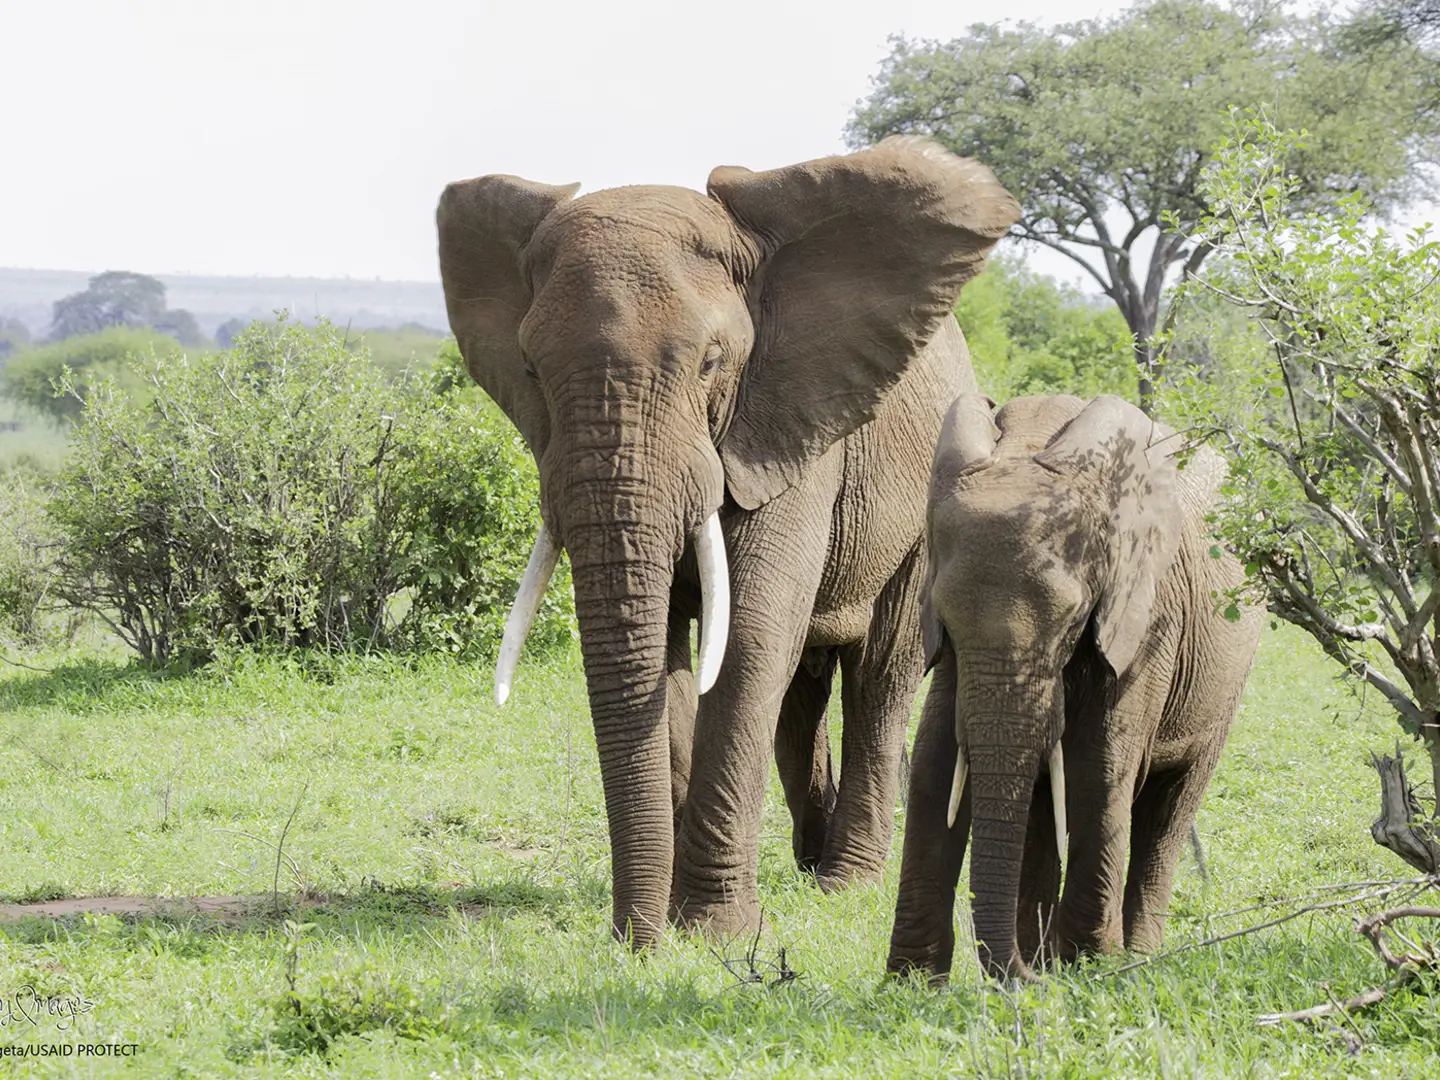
(1333, 432)
(1387, 20)
(1028, 334)
(114, 298)
(287, 493)
(180, 325)
(1103, 128)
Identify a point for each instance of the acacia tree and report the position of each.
(114, 298)
(1103, 128)
(1333, 434)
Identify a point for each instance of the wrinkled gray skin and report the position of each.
(1071, 598)
(781, 350)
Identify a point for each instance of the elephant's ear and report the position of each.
(484, 226)
(966, 446)
(1119, 450)
(862, 257)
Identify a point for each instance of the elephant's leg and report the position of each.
(1103, 753)
(772, 594)
(879, 677)
(1039, 892)
(802, 754)
(1164, 809)
(680, 702)
(923, 937)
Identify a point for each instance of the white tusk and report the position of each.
(1057, 796)
(538, 570)
(714, 600)
(957, 788)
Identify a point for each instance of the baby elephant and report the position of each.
(1084, 673)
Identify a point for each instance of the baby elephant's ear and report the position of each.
(932, 633)
(967, 439)
(1115, 451)
(862, 259)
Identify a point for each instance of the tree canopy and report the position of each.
(14, 335)
(1102, 128)
(114, 298)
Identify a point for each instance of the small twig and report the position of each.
(1244, 931)
(1406, 968)
(1344, 886)
(28, 667)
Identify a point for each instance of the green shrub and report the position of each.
(1029, 334)
(288, 493)
(32, 376)
(470, 497)
(25, 554)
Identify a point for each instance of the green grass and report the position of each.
(394, 349)
(37, 440)
(462, 850)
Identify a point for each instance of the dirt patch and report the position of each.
(223, 908)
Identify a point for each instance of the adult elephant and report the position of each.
(733, 394)
(1072, 617)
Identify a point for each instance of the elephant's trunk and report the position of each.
(622, 599)
(1010, 724)
(627, 484)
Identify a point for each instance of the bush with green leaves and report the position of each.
(25, 554)
(1332, 429)
(287, 493)
(1029, 334)
(470, 495)
(33, 376)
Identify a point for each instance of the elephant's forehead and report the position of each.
(635, 265)
(1015, 510)
(657, 228)
(1028, 424)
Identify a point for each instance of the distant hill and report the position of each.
(27, 295)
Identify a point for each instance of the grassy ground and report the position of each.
(35, 440)
(463, 851)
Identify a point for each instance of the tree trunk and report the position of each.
(1402, 826)
(1148, 365)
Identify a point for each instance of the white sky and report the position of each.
(313, 137)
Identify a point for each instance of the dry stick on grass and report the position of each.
(1420, 884)
(1407, 966)
(280, 848)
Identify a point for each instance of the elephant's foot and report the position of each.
(638, 931)
(930, 961)
(1144, 932)
(808, 842)
(717, 920)
(1071, 944)
(834, 875)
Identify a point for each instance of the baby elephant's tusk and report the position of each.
(1057, 796)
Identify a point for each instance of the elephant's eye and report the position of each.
(713, 355)
(529, 369)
